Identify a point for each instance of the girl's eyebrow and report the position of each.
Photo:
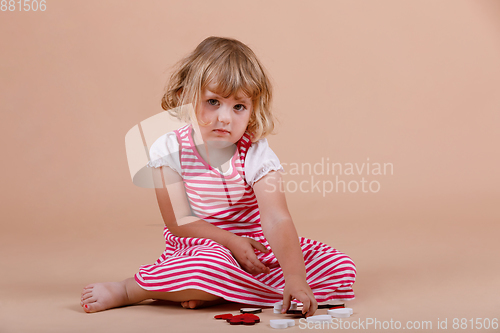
(239, 99)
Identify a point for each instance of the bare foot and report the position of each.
(195, 303)
(102, 296)
(107, 295)
(192, 304)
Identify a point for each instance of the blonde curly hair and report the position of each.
(233, 67)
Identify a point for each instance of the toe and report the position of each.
(86, 293)
(86, 308)
(88, 300)
(89, 308)
(93, 307)
(86, 296)
(193, 304)
(86, 290)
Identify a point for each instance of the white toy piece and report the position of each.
(250, 310)
(319, 318)
(281, 323)
(278, 306)
(340, 313)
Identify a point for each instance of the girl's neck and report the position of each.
(217, 157)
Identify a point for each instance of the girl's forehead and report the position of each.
(214, 88)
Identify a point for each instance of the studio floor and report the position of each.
(431, 265)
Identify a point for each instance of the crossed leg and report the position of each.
(106, 295)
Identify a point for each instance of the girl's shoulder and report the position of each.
(165, 152)
(261, 146)
(260, 160)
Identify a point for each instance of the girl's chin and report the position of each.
(219, 144)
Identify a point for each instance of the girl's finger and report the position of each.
(258, 264)
(259, 246)
(313, 307)
(306, 304)
(251, 268)
(302, 298)
(286, 302)
(309, 303)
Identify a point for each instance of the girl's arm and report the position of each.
(181, 222)
(280, 232)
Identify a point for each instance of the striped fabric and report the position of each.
(228, 202)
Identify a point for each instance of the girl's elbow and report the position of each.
(278, 223)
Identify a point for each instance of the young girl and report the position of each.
(229, 235)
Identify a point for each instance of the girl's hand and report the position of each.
(243, 251)
(297, 287)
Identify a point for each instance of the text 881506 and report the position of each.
(23, 5)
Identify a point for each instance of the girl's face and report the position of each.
(227, 118)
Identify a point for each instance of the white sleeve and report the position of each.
(260, 160)
(165, 152)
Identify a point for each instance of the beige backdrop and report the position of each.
(411, 83)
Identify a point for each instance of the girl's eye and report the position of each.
(237, 107)
(241, 107)
(212, 101)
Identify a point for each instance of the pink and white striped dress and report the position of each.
(228, 202)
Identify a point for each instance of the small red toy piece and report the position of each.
(248, 322)
(224, 316)
(337, 307)
(242, 319)
(235, 321)
(250, 316)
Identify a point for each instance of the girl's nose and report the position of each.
(224, 115)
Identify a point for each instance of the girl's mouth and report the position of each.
(221, 131)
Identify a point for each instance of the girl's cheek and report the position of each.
(204, 115)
